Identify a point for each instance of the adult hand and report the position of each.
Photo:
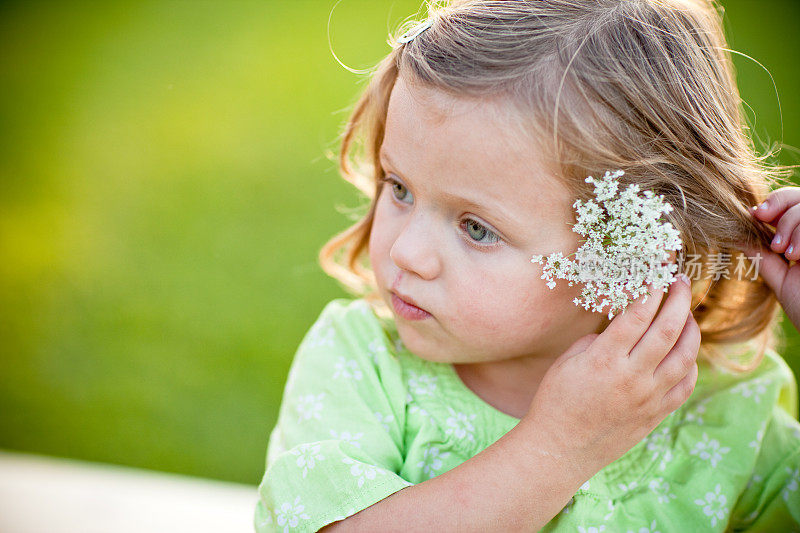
(781, 210)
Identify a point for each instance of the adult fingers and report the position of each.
(786, 225)
(663, 333)
(776, 203)
(771, 266)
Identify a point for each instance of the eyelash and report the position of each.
(391, 181)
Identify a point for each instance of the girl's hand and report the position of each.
(782, 211)
(609, 391)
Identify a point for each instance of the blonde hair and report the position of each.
(646, 86)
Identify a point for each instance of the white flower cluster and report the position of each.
(626, 247)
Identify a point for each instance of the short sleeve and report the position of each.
(771, 499)
(337, 445)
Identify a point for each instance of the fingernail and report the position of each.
(684, 278)
(776, 241)
(791, 247)
(764, 205)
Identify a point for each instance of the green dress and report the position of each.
(362, 417)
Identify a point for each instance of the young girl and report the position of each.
(456, 391)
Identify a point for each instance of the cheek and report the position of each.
(380, 237)
(492, 305)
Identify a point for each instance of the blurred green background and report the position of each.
(164, 191)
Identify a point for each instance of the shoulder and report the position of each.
(771, 384)
(733, 405)
(780, 444)
(347, 340)
(346, 323)
(746, 422)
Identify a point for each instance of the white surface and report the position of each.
(41, 494)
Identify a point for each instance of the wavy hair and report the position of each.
(647, 86)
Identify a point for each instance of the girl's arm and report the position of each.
(597, 401)
(515, 484)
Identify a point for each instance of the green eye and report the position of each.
(478, 231)
(399, 190)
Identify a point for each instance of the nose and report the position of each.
(415, 248)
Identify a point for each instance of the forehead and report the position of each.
(473, 148)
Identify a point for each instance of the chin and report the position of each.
(416, 344)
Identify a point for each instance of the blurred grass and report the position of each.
(164, 191)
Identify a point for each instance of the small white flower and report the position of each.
(709, 449)
(432, 460)
(714, 505)
(290, 513)
(307, 456)
(625, 248)
(363, 471)
(347, 369)
(347, 437)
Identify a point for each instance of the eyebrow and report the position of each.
(493, 213)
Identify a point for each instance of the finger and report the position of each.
(787, 223)
(627, 328)
(678, 394)
(680, 359)
(769, 265)
(776, 203)
(792, 252)
(663, 333)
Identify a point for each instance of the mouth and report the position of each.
(407, 309)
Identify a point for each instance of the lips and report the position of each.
(408, 300)
(408, 310)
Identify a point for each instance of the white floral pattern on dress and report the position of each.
(459, 425)
(755, 478)
(591, 529)
(754, 388)
(362, 471)
(432, 461)
(660, 487)
(321, 334)
(793, 484)
(651, 529)
(422, 384)
(289, 514)
(695, 413)
(309, 406)
(384, 420)
(348, 437)
(347, 369)
(660, 443)
(709, 449)
(756, 443)
(414, 408)
(307, 456)
(714, 505)
(398, 345)
(374, 348)
(610, 510)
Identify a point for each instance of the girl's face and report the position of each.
(465, 206)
